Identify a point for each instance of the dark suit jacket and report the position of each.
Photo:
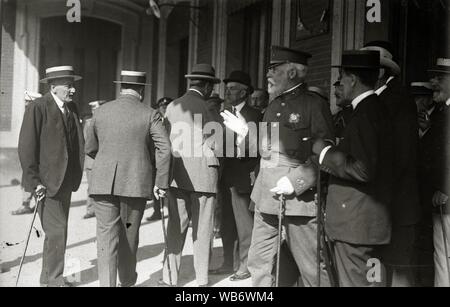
(237, 171)
(119, 140)
(359, 192)
(195, 165)
(43, 149)
(435, 157)
(405, 130)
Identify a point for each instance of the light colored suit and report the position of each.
(194, 184)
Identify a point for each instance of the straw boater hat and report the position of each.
(442, 66)
(386, 57)
(59, 72)
(203, 72)
(133, 77)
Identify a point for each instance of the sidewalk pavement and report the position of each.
(81, 262)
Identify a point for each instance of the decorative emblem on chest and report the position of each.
(294, 118)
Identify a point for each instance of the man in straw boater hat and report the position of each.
(399, 255)
(195, 172)
(358, 219)
(119, 140)
(286, 171)
(435, 169)
(51, 152)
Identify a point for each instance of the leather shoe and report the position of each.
(221, 271)
(240, 276)
(89, 215)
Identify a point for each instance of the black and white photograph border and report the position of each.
(99, 51)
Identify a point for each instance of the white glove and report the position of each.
(159, 193)
(284, 186)
(235, 123)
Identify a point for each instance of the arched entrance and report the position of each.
(92, 47)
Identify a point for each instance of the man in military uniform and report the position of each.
(299, 115)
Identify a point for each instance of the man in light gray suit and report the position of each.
(119, 140)
(194, 176)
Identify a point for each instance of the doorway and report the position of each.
(92, 47)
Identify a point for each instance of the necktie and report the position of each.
(233, 110)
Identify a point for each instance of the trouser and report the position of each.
(228, 229)
(441, 278)
(301, 237)
(358, 265)
(118, 223)
(400, 257)
(184, 206)
(54, 215)
(244, 224)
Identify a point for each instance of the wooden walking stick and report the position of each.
(166, 249)
(280, 229)
(38, 201)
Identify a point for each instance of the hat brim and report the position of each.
(390, 64)
(203, 77)
(74, 77)
(134, 83)
(439, 71)
(250, 88)
(357, 66)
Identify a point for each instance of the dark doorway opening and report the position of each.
(92, 47)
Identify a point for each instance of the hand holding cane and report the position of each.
(38, 201)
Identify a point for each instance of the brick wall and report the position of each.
(7, 64)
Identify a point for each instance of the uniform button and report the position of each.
(275, 125)
(278, 114)
(344, 206)
(283, 104)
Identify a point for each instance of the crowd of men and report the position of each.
(298, 196)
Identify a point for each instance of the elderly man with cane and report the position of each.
(51, 154)
(286, 171)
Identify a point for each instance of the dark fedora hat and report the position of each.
(203, 72)
(442, 66)
(133, 77)
(240, 77)
(281, 55)
(59, 72)
(360, 59)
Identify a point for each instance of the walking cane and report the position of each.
(444, 234)
(166, 253)
(280, 221)
(319, 225)
(38, 201)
